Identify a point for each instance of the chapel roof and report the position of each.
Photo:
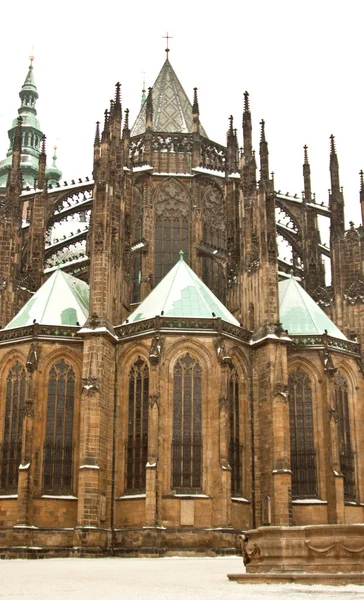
(300, 314)
(172, 110)
(181, 293)
(61, 300)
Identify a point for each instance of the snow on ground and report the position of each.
(148, 579)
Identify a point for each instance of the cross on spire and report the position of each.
(167, 37)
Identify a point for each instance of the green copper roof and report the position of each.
(181, 294)
(300, 314)
(61, 300)
(172, 110)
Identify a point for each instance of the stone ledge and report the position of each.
(302, 578)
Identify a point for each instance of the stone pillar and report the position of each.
(224, 436)
(282, 474)
(335, 478)
(153, 432)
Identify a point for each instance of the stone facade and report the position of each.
(176, 434)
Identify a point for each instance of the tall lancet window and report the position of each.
(303, 458)
(10, 449)
(137, 442)
(235, 447)
(187, 425)
(58, 445)
(347, 458)
(172, 229)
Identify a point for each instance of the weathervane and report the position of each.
(167, 37)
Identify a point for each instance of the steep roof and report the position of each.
(181, 294)
(61, 300)
(172, 110)
(300, 314)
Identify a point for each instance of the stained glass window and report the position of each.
(137, 442)
(171, 236)
(187, 425)
(58, 446)
(347, 459)
(10, 449)
(235, 447)
(303, 456)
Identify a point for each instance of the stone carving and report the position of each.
(171, 201)
(337, 547)
(29, 408)
(355, 292)
(155, 349)
(33, 357)
(280, 393)
(153, 399)
(333, 416)
(221, 352)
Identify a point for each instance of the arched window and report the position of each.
(137, 443)
(303, 459)
(172, 229)
(10, 450)
(347, 462)
(187, 425)
(235, 447)
(58, 446)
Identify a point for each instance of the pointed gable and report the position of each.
(300, 314)
(181, 294)
(172, 110)
(61, 300)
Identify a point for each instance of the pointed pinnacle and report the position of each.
(43, 145)
(195, 107)
(117, 93)
(17, 137)
(305, 148)
(246, 102)
(361, 180)
(97, 133)
(332, 144)
(262, 130)
(126, 120)
(231, 121)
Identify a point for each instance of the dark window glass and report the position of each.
(10, 450)
(303, 456)
(136, 271)
(347, 459)
(58, 446)
(171, 236)
(187, 425)
(137, 443)
(235, 448)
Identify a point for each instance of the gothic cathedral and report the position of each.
(167, 380)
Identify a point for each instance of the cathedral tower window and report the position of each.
(58, 446)
(187, 425)
(137, 443)
(347, 459)
(235, 447)
(303, 456)
(10, 450)
(172, 229)
(214, 239)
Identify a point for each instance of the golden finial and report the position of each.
(31, 57)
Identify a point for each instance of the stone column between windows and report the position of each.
(152, 462)
(24, 504)
(282, 474)
(335, 478)
(224, 438)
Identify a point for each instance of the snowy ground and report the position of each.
(148, 579)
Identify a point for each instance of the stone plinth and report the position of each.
(327, 554)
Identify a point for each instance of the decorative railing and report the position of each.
(325, 341)
(37, 330)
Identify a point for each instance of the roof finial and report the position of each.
(54, 157)
(117, 93)
(246, 102)
(305, 148)
(31, 57)
(195, 107)
(167, 37)
(332, 144)
(181, 253)
(97, 133)
(144, 95)
(126, 120)
(231, 121)
(262, 130)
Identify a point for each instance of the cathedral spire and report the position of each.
(362, 196)
(307, 176)
(149, 111)
(247, 127)
(334, 166)
(195, 113)
(336, 197)
(264, 155)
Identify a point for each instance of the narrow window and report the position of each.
(137, 443)
(58, 446)
(235, 448)
(303, 459)
(187, 425)
(347, 459)
(10, 450)
(171, 236)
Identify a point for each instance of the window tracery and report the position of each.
(58, 446)
(214, 236)
(187, 425)
(303, 455)
(10, 449)
(347, 458)
(137, 442)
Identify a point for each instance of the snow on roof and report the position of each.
(300, 314)
(181, 293)
(61, 300)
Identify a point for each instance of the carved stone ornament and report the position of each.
(333, 415)
(322, 296)
(329, 366)
(355, 292)
(90, 385)
(171, 201)
(224, 404)
(153, 399)
(33, 357)
(29, 408)
(99, 239)
(280, 393)
(155, 349)
(221, 352)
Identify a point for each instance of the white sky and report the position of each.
(300, 61)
